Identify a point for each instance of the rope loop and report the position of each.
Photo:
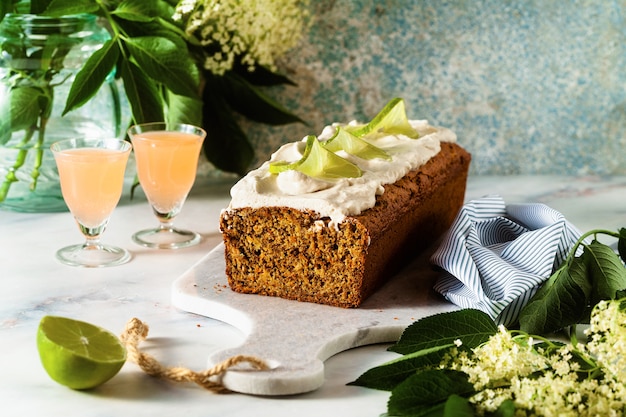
(136, 332)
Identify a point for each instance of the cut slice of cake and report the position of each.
(333, 240)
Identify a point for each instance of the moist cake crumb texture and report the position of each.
(295, 254)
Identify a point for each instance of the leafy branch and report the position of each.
(158, 64)
(569, 295)
(418, 386)
(146, 50)
(424, 344)
(460, 364)
(446, 357)
(31, 97)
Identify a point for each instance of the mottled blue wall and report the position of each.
(529, 86)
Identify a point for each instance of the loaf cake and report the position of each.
(334, 241)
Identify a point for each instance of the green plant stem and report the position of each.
(580, 241)
(10, 177)
(39, 149)
(593, 371)
(118, 34)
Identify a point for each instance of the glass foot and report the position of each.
(93, 256)
(166, 238)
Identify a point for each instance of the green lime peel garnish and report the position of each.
(344, 140)
(318, 162)
(391, 120)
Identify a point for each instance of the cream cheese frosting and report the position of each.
(338, 198)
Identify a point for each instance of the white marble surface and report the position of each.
(295, 338)
(35, 284)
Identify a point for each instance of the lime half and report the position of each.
(77, 354)
(318, 162)
(391, 120)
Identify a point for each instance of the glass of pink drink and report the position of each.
(91, 172)
(167, 160)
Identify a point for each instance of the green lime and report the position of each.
(391, 120)
(318, 162)
(78, 354)
(344, 140)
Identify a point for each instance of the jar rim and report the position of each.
(60, 24)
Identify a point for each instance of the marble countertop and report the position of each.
(34, 284)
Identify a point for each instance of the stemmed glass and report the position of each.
(167, 159)
(91, 173)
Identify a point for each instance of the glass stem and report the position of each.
(92, 242)
(166, 225)
(166, 220)
(92, 234)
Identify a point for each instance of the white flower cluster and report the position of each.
(553, 380)
(607, 335)
(253, 31)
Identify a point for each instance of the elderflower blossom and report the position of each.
(255, 32)
(607, 332)
(551, 381)
(502, 358)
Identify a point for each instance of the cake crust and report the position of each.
(298, 255)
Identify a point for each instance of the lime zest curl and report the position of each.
(318, 162)
(391, 120)
(346, 141)
(319, 159)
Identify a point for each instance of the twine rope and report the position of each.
(136, 332)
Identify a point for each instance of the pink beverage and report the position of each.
(91, 182)
(166, 165)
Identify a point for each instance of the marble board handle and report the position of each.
(295, 338)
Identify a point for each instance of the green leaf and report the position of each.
(5, 127)
(226, 145)
(560, 302)
(45, 102)
(24, 7)
(249, 101)
(5, 7)
(506, 409)
(155, 27)
(457, 406)
(621, 243)
(162, 60)
(606, 270)
(25, 107)
(92, 75)
(389, 375)
(472, 327)
(142, 94)
(37, 6)
(58, 8)
(181, 109)
(261, 76)
(142, 10)
(419, 393)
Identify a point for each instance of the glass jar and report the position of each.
(39, 60)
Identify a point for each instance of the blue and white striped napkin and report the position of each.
(495, 256)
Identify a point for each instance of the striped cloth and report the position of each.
(495, 256)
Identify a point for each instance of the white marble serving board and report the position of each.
(295, 338)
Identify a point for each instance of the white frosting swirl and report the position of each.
(344, 196)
